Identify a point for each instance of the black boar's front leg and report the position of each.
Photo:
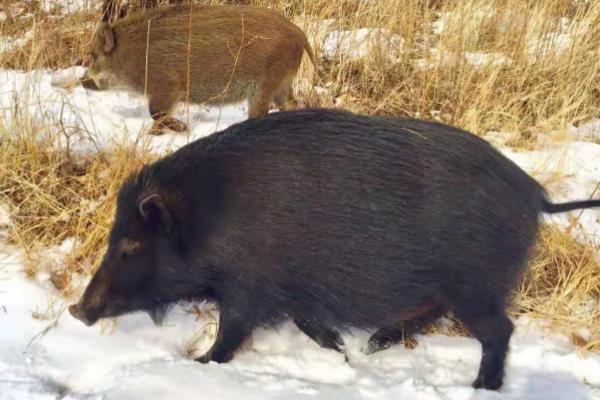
(325, 337)
(233, 330)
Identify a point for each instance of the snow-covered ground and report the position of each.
(98, 120)
(136, 360)
(53, 356)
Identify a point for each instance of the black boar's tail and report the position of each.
(552, 208)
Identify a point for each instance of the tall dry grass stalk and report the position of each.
(518, 65)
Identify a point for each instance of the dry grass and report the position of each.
(562, 287)
(54, 197)
(539, 86)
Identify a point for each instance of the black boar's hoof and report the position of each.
(208, 357)
(493, 384)
(323, 336)
(383, 339)
(205, 359)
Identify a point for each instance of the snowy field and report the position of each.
(46, 354)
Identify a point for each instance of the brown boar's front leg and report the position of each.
(233, 331)
(161, 103)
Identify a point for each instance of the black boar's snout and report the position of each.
(77, 312)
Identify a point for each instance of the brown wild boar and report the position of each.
(234, 53)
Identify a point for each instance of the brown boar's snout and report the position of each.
(88, 83)
(77, 312)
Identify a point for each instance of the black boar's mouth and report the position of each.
(156, 313)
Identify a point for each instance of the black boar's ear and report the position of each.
(153, 210)
(107, 38)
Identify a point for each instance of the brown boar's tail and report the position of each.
(552, 208)
(310, 52)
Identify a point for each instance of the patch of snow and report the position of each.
(477, 59)
(11, 43)
(360, 43)
(587, 131)
(68, 6)
(473, 19)
(436, 57)
(569, 172)
(552, 43)
(441, 22)
(5, 222)
(53, 259)
(316, 30)
(485, 59)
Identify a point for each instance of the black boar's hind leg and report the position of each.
(233, 331)
(487, 321)
(386, 337)
(323, 336)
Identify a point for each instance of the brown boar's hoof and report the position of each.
(88, 84)
(156, 130)
(167, 123)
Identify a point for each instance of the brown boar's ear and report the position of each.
(106, 37)
(153, 210)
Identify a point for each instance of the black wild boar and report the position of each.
(332, 219)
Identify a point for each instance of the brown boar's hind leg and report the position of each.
(485, 317)
(404, 331)
(160, 106)
(233, 331)
(284, 98)
(323, 336)
(259, 102)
